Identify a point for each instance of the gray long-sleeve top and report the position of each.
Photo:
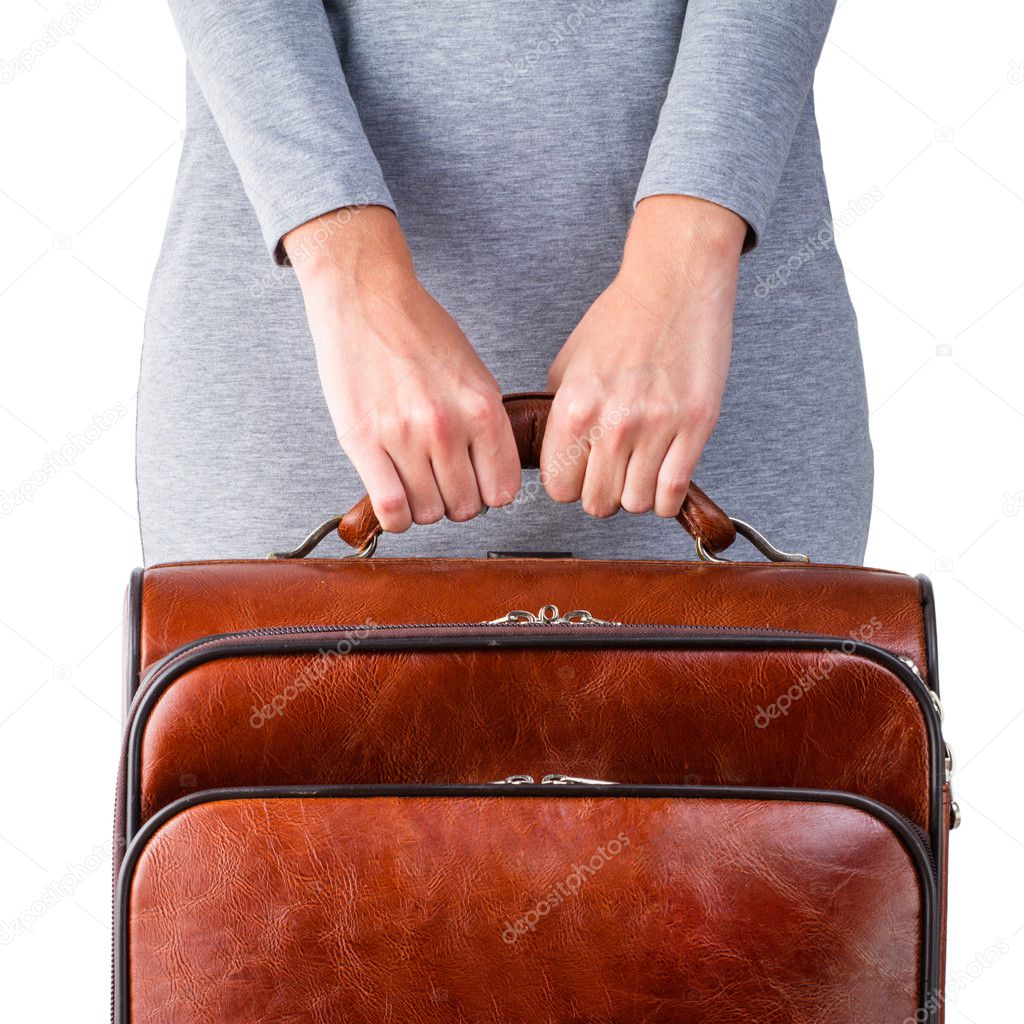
(513, 138)
(271, 74)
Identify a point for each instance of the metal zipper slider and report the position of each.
(570, 780)
(514, 780)
(549, 615)
(954, 807)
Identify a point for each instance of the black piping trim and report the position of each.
(579, 637)
(132, 640)
(904, 830)
(931, 634)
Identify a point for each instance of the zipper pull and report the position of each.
(954, 807)
(549, 615)
(514, 618)
(514, 780)
(573, 780)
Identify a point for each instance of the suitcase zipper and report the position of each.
(552, 780)
(518, 617)
(949, 759)
(549, 615)
(557, 779)
(547, 621)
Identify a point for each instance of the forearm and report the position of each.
(742, 77)
(271, 75)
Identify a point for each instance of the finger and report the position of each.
(639, 490)
(495, 459)
(384, 486)
(606, 473)
(565, 449)
(561, 361)
(445, 434)
(456, 482)
(421, 491)
(674, 476)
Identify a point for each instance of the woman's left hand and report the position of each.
(638, 385)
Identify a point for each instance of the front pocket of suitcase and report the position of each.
(796, 714)
(523, 905)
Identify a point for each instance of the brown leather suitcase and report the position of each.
(308, 813)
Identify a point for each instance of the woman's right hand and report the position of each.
(414, 407)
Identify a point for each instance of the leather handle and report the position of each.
(528, 412)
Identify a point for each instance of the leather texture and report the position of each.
(318, 910)
(522, 910)
(643, 716)
(183, 602)
(528, 413)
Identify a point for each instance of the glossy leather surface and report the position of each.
(646, 716)
(632, 910)
(183, 602)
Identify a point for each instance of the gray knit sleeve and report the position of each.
(271, 75)
(741, 80)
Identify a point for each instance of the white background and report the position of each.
(922, 100)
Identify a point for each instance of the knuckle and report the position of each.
(562, 491)
(427, 514)
(479, 410)
(661, 414)
(673, 484)
(462, 513)
(388, 423)
(355, 435)
(502, 494)
(395, 524)
(435, 421)
(615, 432)
(637, 504)
(392, 514)
(389, 505)
(501, 479)
(577, 413)
(700, 411)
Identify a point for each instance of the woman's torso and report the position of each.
(512, 137)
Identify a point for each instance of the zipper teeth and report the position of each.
(557, 779)
(271, 631)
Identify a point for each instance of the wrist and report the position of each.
(349, 248)
(683, 242)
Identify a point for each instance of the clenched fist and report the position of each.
(638, 385)
(415, 409)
